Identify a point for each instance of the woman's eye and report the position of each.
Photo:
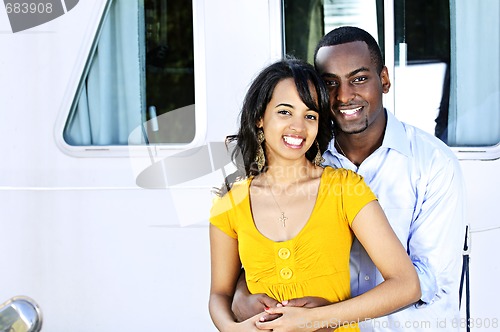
(311, 117)
(284, 112)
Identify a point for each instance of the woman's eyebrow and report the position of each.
(284, 104)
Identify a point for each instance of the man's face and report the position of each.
(354, 85)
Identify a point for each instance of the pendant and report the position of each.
(282, 219)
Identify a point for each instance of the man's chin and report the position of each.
(353, 130)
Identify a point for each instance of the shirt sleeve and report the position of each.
(437, 232)
(220, 215)
(355, 194)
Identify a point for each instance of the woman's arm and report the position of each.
(225, 266)
(400, 287)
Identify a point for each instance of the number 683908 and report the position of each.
(476, 323)
(28, 7)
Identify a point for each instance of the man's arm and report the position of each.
(437, 233)
(246, 305)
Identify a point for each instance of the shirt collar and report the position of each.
(395, 135)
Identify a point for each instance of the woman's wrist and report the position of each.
(230, 327)
(324, 315)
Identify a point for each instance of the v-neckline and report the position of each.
(306, 225)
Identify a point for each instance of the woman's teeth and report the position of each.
(293, 140)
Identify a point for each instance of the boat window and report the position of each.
(446, 68)
(138, 85)
(443, 51)
(306, 21)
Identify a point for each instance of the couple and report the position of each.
(290, 223)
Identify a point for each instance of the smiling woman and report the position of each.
(283, 221)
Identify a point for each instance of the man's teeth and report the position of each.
(293, 140)
(350, 111)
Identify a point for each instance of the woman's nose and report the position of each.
(297, 124)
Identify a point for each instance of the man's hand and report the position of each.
(306, 302)
(246, 305)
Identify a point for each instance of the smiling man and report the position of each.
(416, 177)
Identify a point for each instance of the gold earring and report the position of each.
(318, 160)
(260, 158)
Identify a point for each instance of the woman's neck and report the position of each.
(284, 174)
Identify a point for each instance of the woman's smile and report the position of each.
(293, 141)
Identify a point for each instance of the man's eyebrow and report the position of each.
(329, 75)
(351, 74)
(354, 72)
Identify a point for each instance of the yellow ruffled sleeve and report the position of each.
(219, 216)
(356, 194)
(227, 209)
(350, 188)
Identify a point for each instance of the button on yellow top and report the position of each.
(286, 273)
(284, 253)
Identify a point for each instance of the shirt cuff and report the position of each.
(428, 283)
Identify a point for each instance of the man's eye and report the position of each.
(359, 79)
(331, 84)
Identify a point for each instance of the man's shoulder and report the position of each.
(425, 145)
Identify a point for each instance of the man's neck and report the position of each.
(358, 147)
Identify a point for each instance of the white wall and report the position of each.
(77, 234)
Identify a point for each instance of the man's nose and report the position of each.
(344, 93)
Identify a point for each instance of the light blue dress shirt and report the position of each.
(420, 187)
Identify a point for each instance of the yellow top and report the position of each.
(316, 261)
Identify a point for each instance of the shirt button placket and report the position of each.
(284, 263)
(284, 253)
(286, 273)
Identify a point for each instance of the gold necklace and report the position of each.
(340, 148)
(282, 219)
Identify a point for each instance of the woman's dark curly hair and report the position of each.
(259, 95)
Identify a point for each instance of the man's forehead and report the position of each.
(349, 55)
(351, 48)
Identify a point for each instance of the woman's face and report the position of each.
(290, 126)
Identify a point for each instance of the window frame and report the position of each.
(462, 152)
(86, 54)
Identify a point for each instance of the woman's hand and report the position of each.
(250, 325)
(291, 319)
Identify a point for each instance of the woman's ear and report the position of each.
(259, 123)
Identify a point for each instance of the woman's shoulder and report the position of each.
(234, 196)
(340, 174)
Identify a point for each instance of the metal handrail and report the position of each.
(20, 314)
